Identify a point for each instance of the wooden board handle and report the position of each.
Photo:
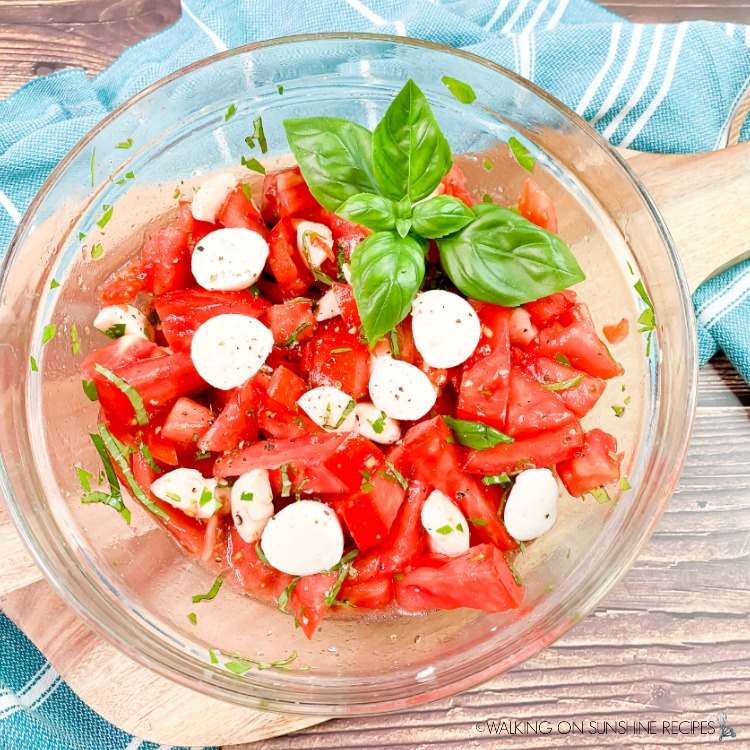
(700, 197)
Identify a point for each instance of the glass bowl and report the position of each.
(132, 584)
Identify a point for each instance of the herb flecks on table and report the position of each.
(385, 180)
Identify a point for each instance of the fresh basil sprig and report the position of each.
(383, 181)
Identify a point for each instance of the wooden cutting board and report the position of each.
(700, 198)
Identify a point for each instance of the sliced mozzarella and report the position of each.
(445, 327)
(401, 390)
(135, 322)
(229, 259)
(229, 349)
(328, 307)
(531, 508)
(187, 490)
(446, 527)
(521, 330)
(375, 425)
(212, 195)
(312, 241)
(346, 269)
(329, 408)
(302, 539)
(252, 504)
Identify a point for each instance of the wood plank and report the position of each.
(674, 11)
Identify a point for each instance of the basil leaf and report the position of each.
(410, 153)
(373, 211)
(522, 154)
(462, 91)
(403, 216)
(387, 271)
(476, 435)
(335, 157)
(503, 258)
(439, 216)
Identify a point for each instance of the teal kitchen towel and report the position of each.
(654, 87)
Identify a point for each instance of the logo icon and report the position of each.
(724, 729)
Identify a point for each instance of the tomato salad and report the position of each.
(362, 393)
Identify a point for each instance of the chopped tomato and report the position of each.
(278, 421)
(483, 395)
(403, 543)
(593, 465)
(236, 422)
(580, 398)
(308, 600)
(158, 381)
(339, 359)
(292, 321)
(480, 578)
(252, 573)
(285, 193)
(454, 184)
(430, 453)
(574, 337)
(536, 206)
(548, 309)
(537, 451)
(241, 213)
(532, 408)
(374, 593)
(121, 352)
(617, 332)
(286, 387)
(522, 330)
(345, 299)
(285, 263)
(369, 513)
(166, 259)
(187, 421)
(162, 450)
(194, 228)
(189, 532)
(346, 236)
(124, 286)
(183, 312)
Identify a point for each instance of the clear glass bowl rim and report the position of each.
(169, 660)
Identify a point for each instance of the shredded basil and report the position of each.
(106, 216)
(476, 435)
(133, 396)
(522, 154)
(462, 91)
(230, 112)
(48, 333)
(125, 144)
(572, 383)
(89, 388)
(212, 592)
(397, 474)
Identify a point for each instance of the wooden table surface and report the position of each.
(672, 641)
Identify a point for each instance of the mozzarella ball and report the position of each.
(531, 508)
(446, 527)
(212, 195)
(187, 490)
(401, 390)
(229, 259)
(135, 322)
(330, 408)
(375, 425)
(252, 504)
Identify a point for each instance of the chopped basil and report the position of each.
(54, 284)
(84, 478)
(193, 618)
(487, 164)
(93, 166)
(626, 401)
(378, 425)
(523, 157)
(261, 555)
(624, 484)
(459, 527)
(212, 593)
(230, 112)
(34, 366)
(478, 521)
(133, 396)
(344, 567)
(246, 497)
(502, 479)
(515, 573)
(367, 487)
(572, 383)
(260, 135)
(478, 558)
(253, 164)
(549, 587)
(293, 338)
(212, 656)
(476, 435)
(562, 359)
(567, 555)
(146, 453)
(600, 495)
(397, 474)
(487, 198)
(206, 497)
(125, 144)
(174, 497)
(344, 414)
(48, 333)
(462, 91)
(202, 455)
(116, 450)
(75, 344)
(398, 576)
(240, 664)
(114, 498)
(177, 194)
(298, 491)
(286, 484)
(341, 350)
(395, 348)
(447, 529)
(280, 89)
(283, 599)
(521, 546)
(618, 410)
(115, 331)
(647, 318)
(106, 216)
(89, 388)
(105, 499)
(97, 250)
(81, 235)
